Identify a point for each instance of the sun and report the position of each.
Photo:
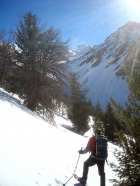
(134, 5)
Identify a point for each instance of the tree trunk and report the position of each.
(32, 96)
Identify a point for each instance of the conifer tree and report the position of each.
(98, 112)
(41, 74)
(91, 107)
(6, 60)
(128, 169)
(79, 110)
(98, 125)
(111, 124)
(98, 117)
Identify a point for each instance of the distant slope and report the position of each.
(79, 51)
(101, 69)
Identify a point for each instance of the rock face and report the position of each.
(101, 67)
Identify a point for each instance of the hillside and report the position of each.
(101, 69)
(33, 152)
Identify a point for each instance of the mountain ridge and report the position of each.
(101, 69)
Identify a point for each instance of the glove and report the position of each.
(80, 152)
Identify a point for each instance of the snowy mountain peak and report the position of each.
(129, 31)
(131, 25)
(80, 50)
(101, 67)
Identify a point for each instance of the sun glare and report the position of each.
(134, 5)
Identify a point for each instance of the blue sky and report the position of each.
(86, 22)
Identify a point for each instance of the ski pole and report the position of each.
(74, 170)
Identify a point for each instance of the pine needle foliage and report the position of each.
(98, 118)
(98, 112)
(80, 108)
(111, 124)
(6, 60)
(128, 169)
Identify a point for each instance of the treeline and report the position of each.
(31, 65)
(80, 108)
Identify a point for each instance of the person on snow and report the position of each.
(92, 160)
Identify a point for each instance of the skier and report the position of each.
(92, 160)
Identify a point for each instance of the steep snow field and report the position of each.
(101, 68)
(33, 152)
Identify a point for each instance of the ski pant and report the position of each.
(100, 164)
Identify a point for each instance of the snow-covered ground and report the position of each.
(79, 51)
(35, 153)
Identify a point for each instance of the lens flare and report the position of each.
(134, 6)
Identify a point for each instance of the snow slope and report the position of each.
(79, 51)
(33, 152)
(101, 69)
